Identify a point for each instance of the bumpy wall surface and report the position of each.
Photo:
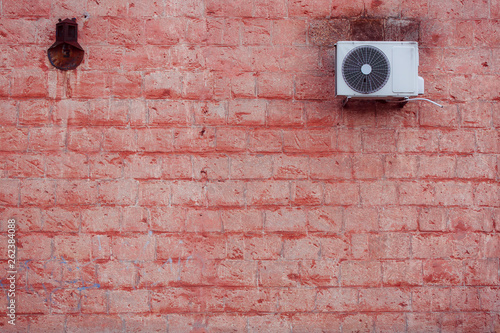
(196, 173)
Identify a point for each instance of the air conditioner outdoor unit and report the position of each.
(377, 70)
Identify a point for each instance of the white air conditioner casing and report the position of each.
(377, 70)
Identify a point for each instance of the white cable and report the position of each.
(422, 99)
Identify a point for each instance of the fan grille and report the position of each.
(365, 69)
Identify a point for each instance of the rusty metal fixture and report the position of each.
(66, 53)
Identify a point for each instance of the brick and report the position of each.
(401, 273)
(145, 323)
(60, 219)
(65, 301)
(203, 221)
(423, 322)
(242, 220)
(335, 247)
(400, 166)
(278, 273)
(31, 217)
(487, 141)
(454, 194)
(154, 193)
(101, 219)
(290, 167)
(390, 322)
(76, 192)
(256, 32)
(32, 247)
(390, 246)
(448, 117)
(169, 219)
(194, 139)
(443, 272)
(67, 165)
(465, 299)
(361, 273)
(117, 274)
(476, 166)
(459, 141)
(231, 139)
(306, 193)
(29, 84)
(486, 194)
(412, 140)
(471, 219)
(302, 248)
(314, 87)
(9, 114)
(262, 141)
(128, 301)
(288, 32)
(25, 166)
(331, 167)
(32, 302)
(34, 112)
(247, 112)
(237, 273)
(413, 193)
(275, 85)
(262, 193)
(299, 300)
(285, 220)
(49, 323)
(431, 299)
(378, 193)
(379, 141)
(361, 219)
(119, 139)
(90, 84)
(162, 85)
(337, 300)
(87, 139)
(492, 246)
(323, 273)
(316, 8)
(93, 322)
(433, 219)
(342, 194)
(437, 166)
(481, 272)
(47, 139)
(210, 113)
(227, 193)
(322, 113)
(237, 9)
(267, 247)
(118, 192)
(432, 246)
(285, 113)
(367, 166)
(384, 299)
(468, 245)
(205, 246)
(33, 192)
(398, 218)
(325, 219)
(142, 166)
(197, 85)
(110, 113)
(187, 193)
(327, 32)
(151, 140)
(490, 297)
(360, 246)
(105, 165)
(72, 247)
(9, 193)
(176, 167)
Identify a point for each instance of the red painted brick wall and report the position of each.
(196, 173)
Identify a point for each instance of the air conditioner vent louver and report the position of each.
(366, 69)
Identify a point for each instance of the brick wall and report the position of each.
(196, 173)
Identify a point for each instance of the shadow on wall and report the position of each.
(328, 32)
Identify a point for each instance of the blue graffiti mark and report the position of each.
(95, 285)
(99, 241)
